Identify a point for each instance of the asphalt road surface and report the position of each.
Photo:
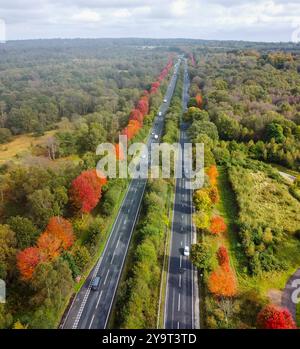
(179, 308)
(91, 309)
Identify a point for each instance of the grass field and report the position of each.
(21, 145)
(258, 289)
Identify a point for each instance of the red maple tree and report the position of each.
(136, 115)
(274, 317)
(223, 256)
(27, 260)
(143, 105)
(86, 190)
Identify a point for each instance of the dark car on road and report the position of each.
(96, 283)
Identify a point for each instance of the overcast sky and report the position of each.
(255, 20)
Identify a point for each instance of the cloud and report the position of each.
(259, 20)
(179, 7)
(88, 16)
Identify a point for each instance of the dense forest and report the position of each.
(55, 212)
(245, 108)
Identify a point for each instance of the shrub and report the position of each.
(223, 257)
(222, 282)
(202, 200)
(214, 195)
(217, 225)
(274, 317)
(201, 220)
(201, 255)
(213, 175)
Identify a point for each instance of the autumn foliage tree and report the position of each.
(86, 190)
(217, 225)
(223, 257)
(274, 317)
(57, 237)
(213, 175)
(222, 282)
(136, 115)
(143, 105)
(62, 229)
(49, 246)
(119, 152)
(132, 129)
(192, 59)
(199, 101)
(27, 260)
(214, 195)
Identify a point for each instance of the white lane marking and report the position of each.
(106, 277)
(111, 262)
(178, 305)
(92, 321)
(173, 303)
(180, 280)
(99, 300)
(178, 325)
(181, 243)
(180, 260)
(118, 242)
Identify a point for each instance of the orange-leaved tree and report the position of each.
(217, 225)
(63, 230)
(57, 237)
(213, 174)
(199, 101)
(49, 246)
(27, 260)
(119, 152)
(222, 282)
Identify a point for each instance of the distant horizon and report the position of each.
(152, 38)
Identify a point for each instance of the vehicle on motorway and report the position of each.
(186, 251)
(96, 283)
(160, 113)
(155, 136)
(165, 100)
